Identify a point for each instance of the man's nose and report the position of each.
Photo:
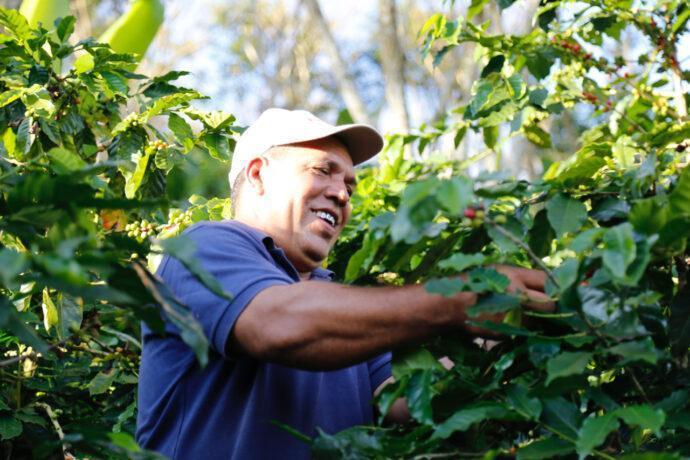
(339, 194)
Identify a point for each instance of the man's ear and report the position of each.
(254, 174)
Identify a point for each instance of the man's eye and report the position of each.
(323, 170)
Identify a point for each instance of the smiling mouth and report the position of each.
(327, 217)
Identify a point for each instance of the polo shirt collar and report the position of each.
(279, 256)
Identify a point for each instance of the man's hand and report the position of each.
(528, 285)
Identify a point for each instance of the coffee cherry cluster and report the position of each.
(132, 119)
(573, 47)
(140, 230)
(473, 217)
(158, 145)
(179, 217)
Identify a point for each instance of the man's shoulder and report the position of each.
(226, 229)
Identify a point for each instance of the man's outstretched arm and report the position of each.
(320, 326)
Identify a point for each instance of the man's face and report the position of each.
(306, 199)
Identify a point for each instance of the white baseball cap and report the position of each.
(277, 127)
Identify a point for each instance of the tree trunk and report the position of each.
(353, 101)
(393, 65)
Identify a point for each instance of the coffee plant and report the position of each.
(85, 214)
(606, 375)
(88, 155)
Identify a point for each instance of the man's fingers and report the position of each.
(537, 301)
(533, 279)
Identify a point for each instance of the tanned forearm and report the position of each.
(320, 326)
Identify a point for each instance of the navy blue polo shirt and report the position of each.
(228, 409)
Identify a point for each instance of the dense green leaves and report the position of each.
(565, 214)
(593, 432)
(82, 194)
(567, 363)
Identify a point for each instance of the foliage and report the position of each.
(84, 200)
(606, 374)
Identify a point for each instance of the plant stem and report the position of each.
(56, 424)
(524, 247)
(637, 385)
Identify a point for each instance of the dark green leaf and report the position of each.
(136, 177)
(538, 96)
(562, 415)
(565, 214)
(65, 27)
(494, 303)
(643, 416)
(679, 199)
(455, 194)
(541, 235)
(495, 64)
(490, 134)
(521, 402)
(567, 363)
(594, 432)
(465, 418)
(182, 131)
(101, 382)
(65, 161)
(503, 4)
(10, 320)
(640, 350)
(409, 360)
(545, 448)
(447, 287)
(650, 214)
(619, 249)
(537, 136)
(10, 427)
(459, 262)
(418, 396)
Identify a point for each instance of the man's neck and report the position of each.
(304, 276)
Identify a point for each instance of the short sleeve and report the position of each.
(239, 262)
(379, 369)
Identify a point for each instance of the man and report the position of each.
(289, 347)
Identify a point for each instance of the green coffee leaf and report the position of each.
(594, 432)
(563, 415)
(643, 416)
(102, 382)
(65, 161)
(494, 303)
(545, 448)
(447, 287)
(84, 63)
(637, 350)
(520, 401)
(10, 427)
(619, 249)
(567, 363)
(418, 397)
(134, 179)
(465, 418)
(459, 262)
(408, 360)
(565, 214)
(455, 194)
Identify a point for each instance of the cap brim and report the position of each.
(362, 141)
